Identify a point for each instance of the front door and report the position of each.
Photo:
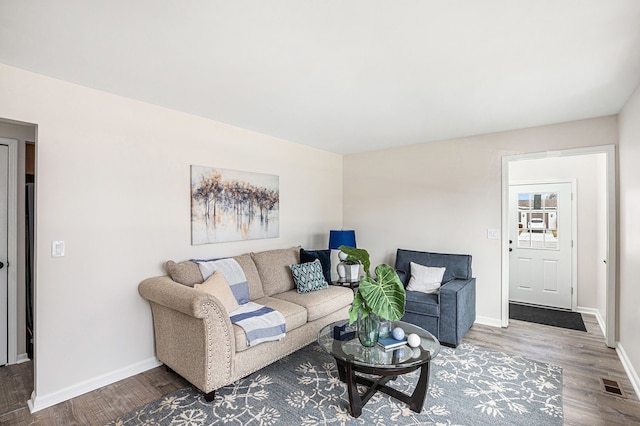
(540, 243)
(4, 281)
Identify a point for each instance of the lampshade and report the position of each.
(342, 238)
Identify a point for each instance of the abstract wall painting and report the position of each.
(231, 205)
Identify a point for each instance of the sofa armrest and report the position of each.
(166, 292)
(457, 309)
(193, 332)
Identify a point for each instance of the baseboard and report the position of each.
(628, 367)
(40, 402)
(593, 311)
(493, 322)
(22, 358)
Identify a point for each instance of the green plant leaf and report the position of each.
(356, 306)
(358, 255)
(384, 297)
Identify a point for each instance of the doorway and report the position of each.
(596, 247)
(541, 242)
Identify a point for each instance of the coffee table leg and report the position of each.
(355, 402)
(420, 392)
(342, 375)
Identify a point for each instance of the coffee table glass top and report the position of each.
(350, 349)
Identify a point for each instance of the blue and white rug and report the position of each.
(468, 386)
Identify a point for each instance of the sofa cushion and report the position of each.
(308, 276)
(274, 271)
(187, 273)
(426, 279)
(217, 286)
(324, 256)
(251, 273)
(422, 303)
(319, 303)
(294, 316)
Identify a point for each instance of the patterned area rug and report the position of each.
(468, 386)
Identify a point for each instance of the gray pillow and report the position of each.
(187, 273)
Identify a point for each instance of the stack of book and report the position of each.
(389, 343)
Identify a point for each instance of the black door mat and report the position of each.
(552, 317)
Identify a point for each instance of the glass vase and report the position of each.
(368, 329)
(384, 329)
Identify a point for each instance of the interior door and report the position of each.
(540, 244)
(4, 169)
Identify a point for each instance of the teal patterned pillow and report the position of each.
(309, 276)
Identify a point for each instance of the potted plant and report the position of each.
(384, 297)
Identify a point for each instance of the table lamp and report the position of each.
(344, 238)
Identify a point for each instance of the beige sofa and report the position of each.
(195, 338)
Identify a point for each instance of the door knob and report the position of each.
(510, 249)
(1, 265)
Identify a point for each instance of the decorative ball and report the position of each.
(416, 352)
(398, 333)
(413, 340)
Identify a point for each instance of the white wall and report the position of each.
(443, 196)
(591, 201)
(113, 182)
(22, 134)
(629, 225)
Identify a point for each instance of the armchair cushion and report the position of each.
(422, 303)
(457, 265)
(426, 279)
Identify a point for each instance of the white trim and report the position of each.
(610, 152)
(594, 312)
(612, 249)
(12, 250)
(22, 358)
(492, 322)
(40, 402)
(628, 367)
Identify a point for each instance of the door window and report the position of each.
(538, 220)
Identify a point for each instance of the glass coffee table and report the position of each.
(351, 357)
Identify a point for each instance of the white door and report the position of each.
(4, 282)
(540, 244)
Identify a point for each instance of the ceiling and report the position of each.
(342, 75)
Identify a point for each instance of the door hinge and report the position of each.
(572, 291)
(571, 243)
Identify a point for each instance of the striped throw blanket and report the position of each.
(260, 323)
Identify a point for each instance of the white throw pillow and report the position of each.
(218, 286)
(426, 279)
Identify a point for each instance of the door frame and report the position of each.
(612, 240)
(12, 250)
(574, 232)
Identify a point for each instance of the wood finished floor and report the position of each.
(583, 357)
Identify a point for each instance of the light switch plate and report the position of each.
(57, 248)
(493, 234)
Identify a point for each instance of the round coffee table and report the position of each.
(351, 357)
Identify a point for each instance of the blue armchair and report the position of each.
(450, 312)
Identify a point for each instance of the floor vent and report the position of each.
(612, 387)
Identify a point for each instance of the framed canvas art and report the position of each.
(231, 205)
